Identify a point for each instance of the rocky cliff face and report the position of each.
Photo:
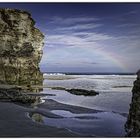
(20, 48)
(133, 122)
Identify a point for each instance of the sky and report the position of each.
(87, 37)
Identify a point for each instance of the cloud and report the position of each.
(72, 20)
(132, 12)
(75, 42)
(71, 31)
(80, 27)
(126, 25)
(79, 32)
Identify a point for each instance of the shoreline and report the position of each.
(14, 119)
(15, 123)
(54, 118)
(19, 123)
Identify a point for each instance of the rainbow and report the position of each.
(110, 57)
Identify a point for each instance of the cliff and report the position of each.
(20, 48)
(133, 121)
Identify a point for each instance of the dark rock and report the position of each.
(77, 91)
(82, 92)
(132, 125)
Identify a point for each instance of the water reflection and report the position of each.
(24, 72)
(101, 124)
(37, 118)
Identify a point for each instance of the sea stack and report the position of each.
(21, 45)
(133, 122)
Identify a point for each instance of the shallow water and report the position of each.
(114, 99)
(103, 124)
(109, 98)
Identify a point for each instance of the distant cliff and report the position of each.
(20, 48)
(133, 122)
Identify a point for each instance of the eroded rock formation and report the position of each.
(133, 122)
(20, 48)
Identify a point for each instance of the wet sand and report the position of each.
(83, 121)
(54, 105)
(17, 119)
(14, 122)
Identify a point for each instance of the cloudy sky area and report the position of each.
(87, 37)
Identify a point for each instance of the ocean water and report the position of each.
(114, 91)
(113, 99)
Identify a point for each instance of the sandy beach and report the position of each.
(16, 123)
(62, 114)
(16, 119)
